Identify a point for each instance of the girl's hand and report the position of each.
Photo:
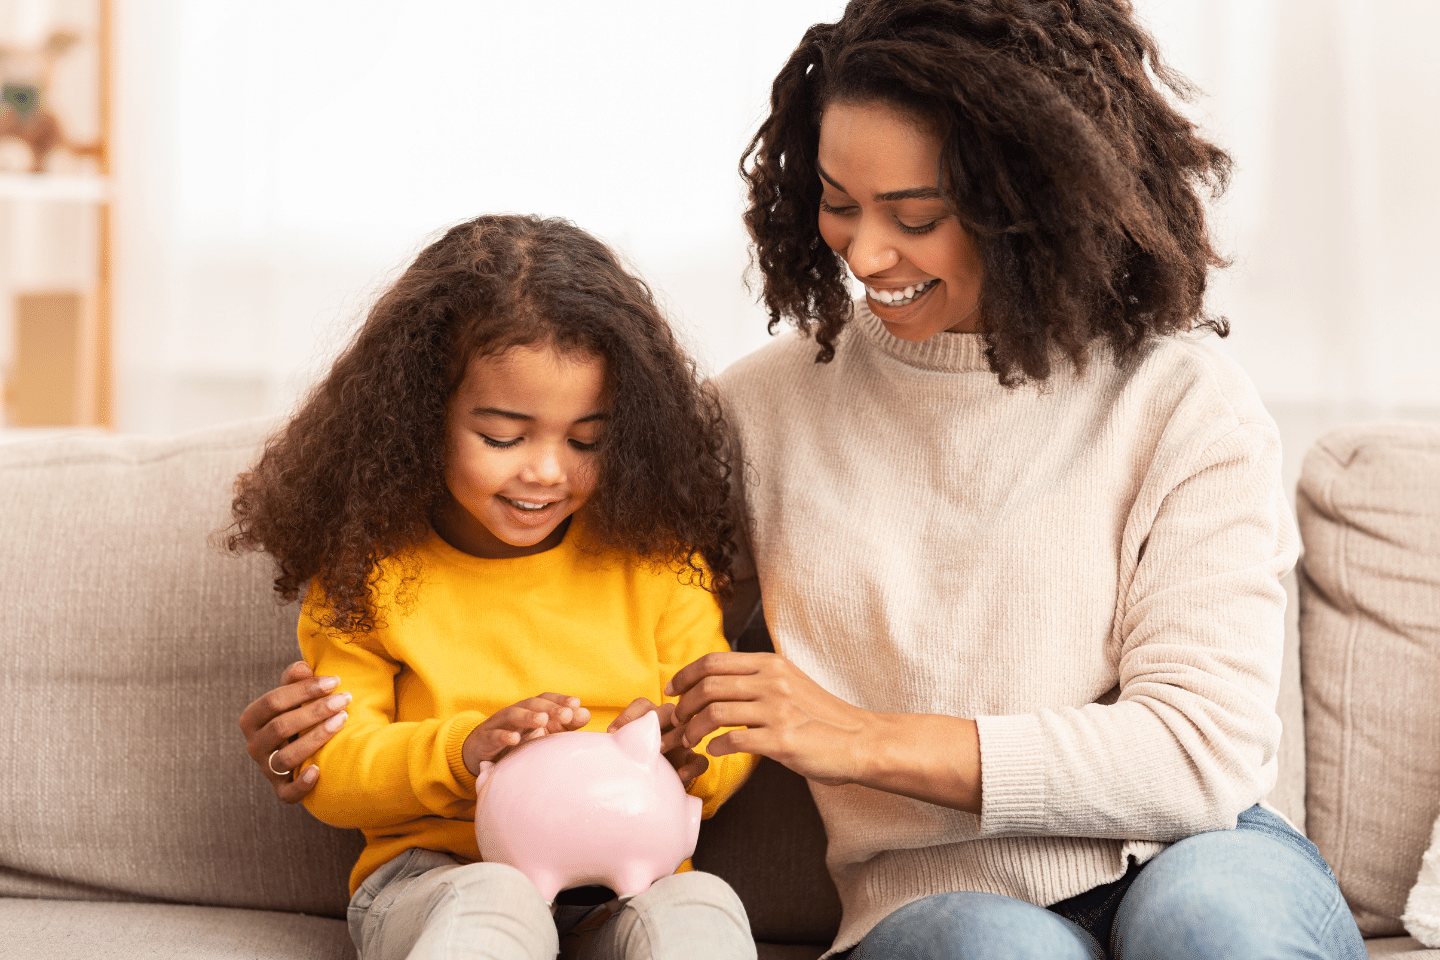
(687, 763)
(530, 718)
(784, 715)
(298, 708)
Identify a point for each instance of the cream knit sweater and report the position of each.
(1090, 569)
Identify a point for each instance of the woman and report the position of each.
(1018, 532)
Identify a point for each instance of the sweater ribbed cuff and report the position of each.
(1012, 776)
(458, 729)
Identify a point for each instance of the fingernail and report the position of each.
(542, 719)
(328, 683)
(337, 701)
(337, 721)
(310, 775)
(670, 688)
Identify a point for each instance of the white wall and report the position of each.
(277, 162)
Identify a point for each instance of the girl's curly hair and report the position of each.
(356, 474)
(1060, 154)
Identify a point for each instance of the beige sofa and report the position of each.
(133, 825)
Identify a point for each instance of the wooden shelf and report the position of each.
(78, 188)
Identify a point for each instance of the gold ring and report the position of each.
(271, 764)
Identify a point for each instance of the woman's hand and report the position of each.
(790, 718)
(298, 708)
(785, 715)
(687, 763)
(530, 718)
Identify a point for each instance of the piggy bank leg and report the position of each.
(632, 878)
(695, 916)
(547, 881)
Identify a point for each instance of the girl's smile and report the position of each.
(521, 431)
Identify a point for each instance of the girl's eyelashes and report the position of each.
(827, 207)
(507, 444)
(499, 444)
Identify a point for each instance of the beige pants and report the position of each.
(424, 905)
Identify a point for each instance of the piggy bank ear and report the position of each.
(640, 738)
(486, 768)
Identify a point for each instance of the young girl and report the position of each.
(508, 501)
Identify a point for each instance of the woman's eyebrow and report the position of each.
(909, 193)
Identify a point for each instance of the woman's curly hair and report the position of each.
(357, 473)
(1060, 154)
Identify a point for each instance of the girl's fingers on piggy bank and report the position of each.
(636, 709)
(558, 699)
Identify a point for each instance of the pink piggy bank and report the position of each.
(577, 808)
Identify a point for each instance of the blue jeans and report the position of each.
(1259, 891)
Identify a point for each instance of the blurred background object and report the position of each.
(54, 219)
(276, 163)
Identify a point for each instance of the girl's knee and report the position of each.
(690, 915)
(494, 887)
(692, 886)
(499, 877)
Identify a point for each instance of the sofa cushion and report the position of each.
(60, 930)
(1400, 948)
(1369, 510)
(128, 646)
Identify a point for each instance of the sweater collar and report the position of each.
(943, 353)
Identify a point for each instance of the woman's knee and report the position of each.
(975, 926)
(1234, 893)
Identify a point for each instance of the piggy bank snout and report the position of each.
(571, 809)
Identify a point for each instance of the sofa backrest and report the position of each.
(1369, 509)
(128, 646)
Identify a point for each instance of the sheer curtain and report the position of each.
(277, 162)
(1330, 110)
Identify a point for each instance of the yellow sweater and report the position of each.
(478, 635)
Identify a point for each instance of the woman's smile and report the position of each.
(898, 296)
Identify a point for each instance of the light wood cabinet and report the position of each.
(55, 337)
